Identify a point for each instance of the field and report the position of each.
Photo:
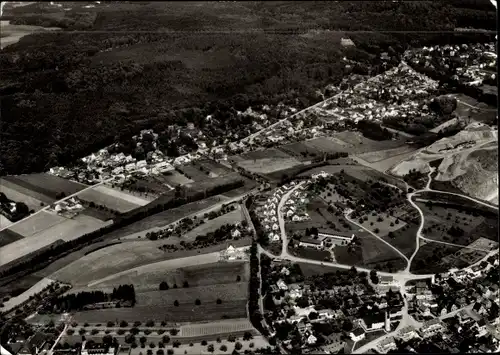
(207, 282)
(44, 230)
(175, 178)
(300, 151)
(265, 161)
(14, 195)
(232, 217)
(213, 167)
(380, 155)
(355, 143)
(164, 218)
(14, 301)
(8, 236)
(404, 238)
(429, 258)
(439, 220)
(112, 198)
(221, 327)
(384, 226)
(210, 183)
(314, 270)
(45, 184)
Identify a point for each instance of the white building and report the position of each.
(357, 334)
(282, 285)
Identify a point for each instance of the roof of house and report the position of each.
(311, 240)
(386, 278)
(374, 318)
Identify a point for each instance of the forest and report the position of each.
(149, 65)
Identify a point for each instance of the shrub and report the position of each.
(211, 348)
(165, 339)
(123, 324)
(120, 331)
(174, 331)
(150, 323)
(176, 343)
(238, 346)
(152, 345)
(170, 352)
(147, 331)
(219, 301)
(176, 303)
(223, 348)
(85, 324)
(197, 302)
(137, 323)
(203, 342)
(160, 352)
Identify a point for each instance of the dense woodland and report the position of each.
(67, 94)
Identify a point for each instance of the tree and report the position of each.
(176, 303)
(247, 336)
(150, 323)
(238, 278)
(143, 340)
(164, 286)
(218, 301)
(165, 339)
(203, 342)
(160, 352)
(185, 284)
(174, 331)
(211, 348)
(238, 345)
(197, 302)
(223, 348)
(123, 324)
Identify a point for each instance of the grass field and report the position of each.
(429, 258)
(266, 161)
(45, 228)
(380, 155)
(191, 171)
(325, 145)
(210, 183)
(164, 218)
(439, 220)
(112, 198)
(384, 226)
(404, 238)
(46, 184)
(355, 143)
(213, 167)
(14, 195)
(8, 236)
(232, 217)
(301, 151)
(174, 178)
(207, 282)
(314, 270)
(24, 191)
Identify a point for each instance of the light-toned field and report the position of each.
(14, 195)
(325, 144)
(14, 301)
(37, 223)
(356, 143)
(112, 198)
(377, 156)
(404, 167)
(212, 328)
(46, 229)
(4, 222)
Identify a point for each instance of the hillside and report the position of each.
(143, 64)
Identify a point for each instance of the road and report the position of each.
(51, 351)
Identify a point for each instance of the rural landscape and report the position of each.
(256, 177)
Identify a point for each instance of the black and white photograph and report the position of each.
(249, 177)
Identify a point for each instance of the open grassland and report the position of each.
(355, 143)
(14, 195)
(300, 151)
(309, 270)
(325, 145)
(192, 172)
(210, 183)
(404, 238)
(112, 198)
(266, 161)
(381, 155)
(46, 184)
(23, 247)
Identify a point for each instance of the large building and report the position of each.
(311, 242)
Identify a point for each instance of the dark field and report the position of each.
(429, 258)
(8, 236)
(47, 185)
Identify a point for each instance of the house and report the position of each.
(275, 227)
(395, 312)
(387, 345)
(386, 281)
(463, 317)
(372, 322)
(431, 327)
(235, 233)
(479, 308)
(282, 285)
(357, 334)
(337, 238)
(311, 242)
(96, 349)
(326, 314)
(285, 271)
(294, 291)
(346, 42)
(407, 333)
(311, 339)
(480, 326)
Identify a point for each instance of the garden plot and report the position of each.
(112, 198)
(37, 223)
(46, 184)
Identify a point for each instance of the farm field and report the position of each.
(355, 143)
(192, 172)
(164, 218)
(45, 230)
(213, 328)
(14, 195)
(265, 161)
(207, 283)
(301, 151)
(46, 184)
(232, 217)
(213, 167)
(175, 178)
(325, 145)
(24, 191)
(112, 198)
(8, 236)
(210, 183)
(381, 155)
(314, 270)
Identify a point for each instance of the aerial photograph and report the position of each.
(249, 177)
